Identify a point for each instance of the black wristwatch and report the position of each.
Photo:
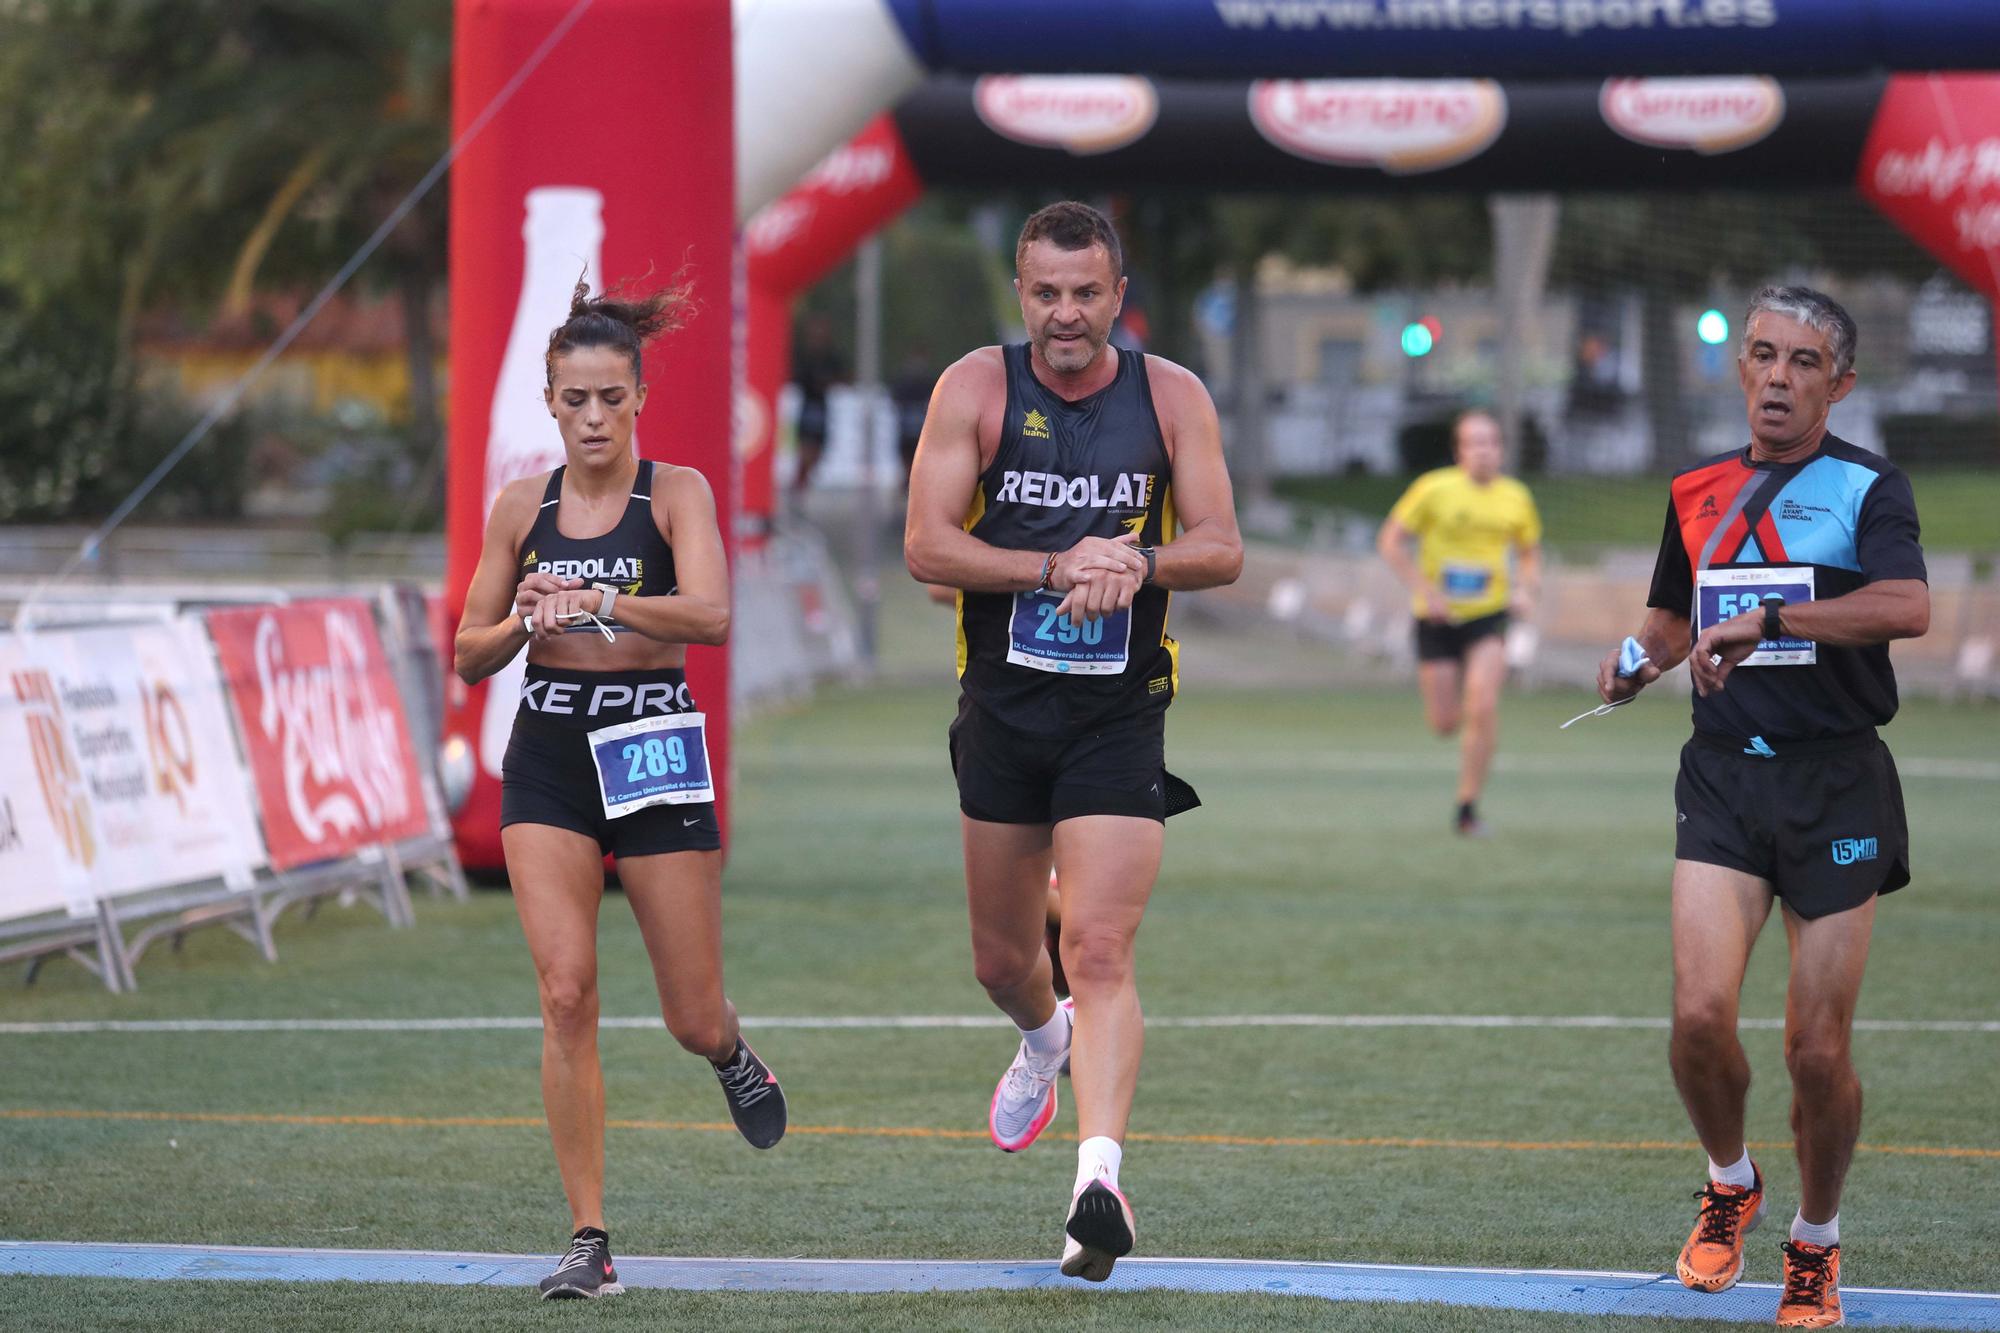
(1772, 605)
(1152, 561)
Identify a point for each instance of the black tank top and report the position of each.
(1064, 471)
(633, 556)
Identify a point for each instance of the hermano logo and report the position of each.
(1846, 851)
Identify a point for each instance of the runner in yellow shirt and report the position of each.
(1465, 520)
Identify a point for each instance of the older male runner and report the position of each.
(1786, 567)
(1049, 486)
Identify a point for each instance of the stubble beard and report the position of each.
(1069, 358)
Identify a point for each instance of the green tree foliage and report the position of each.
(177, 153)
(938, 287)
(75, 439)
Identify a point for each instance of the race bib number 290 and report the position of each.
(654, 761)
(1037, 637)
(1720, 594)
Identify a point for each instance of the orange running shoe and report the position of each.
(1812, 1286)
(1712, 1259)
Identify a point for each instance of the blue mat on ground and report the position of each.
(1492, 1288)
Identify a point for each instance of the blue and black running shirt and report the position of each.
(1064, 471)
(1738, 531)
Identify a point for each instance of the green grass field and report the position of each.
(1578, 512)
(1318, 879)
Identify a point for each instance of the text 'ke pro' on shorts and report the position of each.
(549, 776)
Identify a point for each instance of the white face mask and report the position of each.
(1598, 711)
(1631, 657)
(603, 626)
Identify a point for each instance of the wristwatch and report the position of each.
(610, 596)
(1152, 561)
(1773, 604)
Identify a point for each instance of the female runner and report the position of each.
(605, 570)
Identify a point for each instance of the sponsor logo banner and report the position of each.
(1401, 126)
(324, 728)
(38, 788)
(128, 779)
(1707, 116)
(1080, 113)
(1933, 165)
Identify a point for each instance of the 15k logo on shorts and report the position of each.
(1846, 851)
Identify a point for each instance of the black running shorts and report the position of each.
(1821, 821)
(548, 778)
(1007, 776)
(1442, 641)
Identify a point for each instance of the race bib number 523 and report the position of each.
(1720, 594)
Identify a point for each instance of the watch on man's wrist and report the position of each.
(1152, 561)
(1772, 631)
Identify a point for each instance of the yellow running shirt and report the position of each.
(1464, 531)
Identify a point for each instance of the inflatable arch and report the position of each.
(649, 128)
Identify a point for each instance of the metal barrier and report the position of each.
(189, 758)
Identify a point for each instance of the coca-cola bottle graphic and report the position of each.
(564, 239)
(564, 236)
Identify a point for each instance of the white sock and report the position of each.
(1097, 1159)
(1047, 1043)
(1742, 1174)
(1816, 1233)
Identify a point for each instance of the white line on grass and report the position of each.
(903, 1022)
(1365, 761)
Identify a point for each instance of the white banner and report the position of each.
(129, 751)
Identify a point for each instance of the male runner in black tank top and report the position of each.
(1064, 488)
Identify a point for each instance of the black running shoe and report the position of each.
(1099, 1232)
(585, 1272)
(756, 1102)
(1466, 822)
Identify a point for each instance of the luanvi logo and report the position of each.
(1846, 851)
(1035, 425)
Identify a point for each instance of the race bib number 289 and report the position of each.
(1721, 594)
(654, 761)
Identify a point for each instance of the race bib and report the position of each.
(654, 761)
(1462, 583)
(1037, 637)
(1720, 594)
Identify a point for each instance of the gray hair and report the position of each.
(1814, 309)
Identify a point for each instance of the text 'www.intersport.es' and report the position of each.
(1572, 18)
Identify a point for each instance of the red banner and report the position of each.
(639, 194)
(323, 727)
(1932, 164)
(791, 244)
